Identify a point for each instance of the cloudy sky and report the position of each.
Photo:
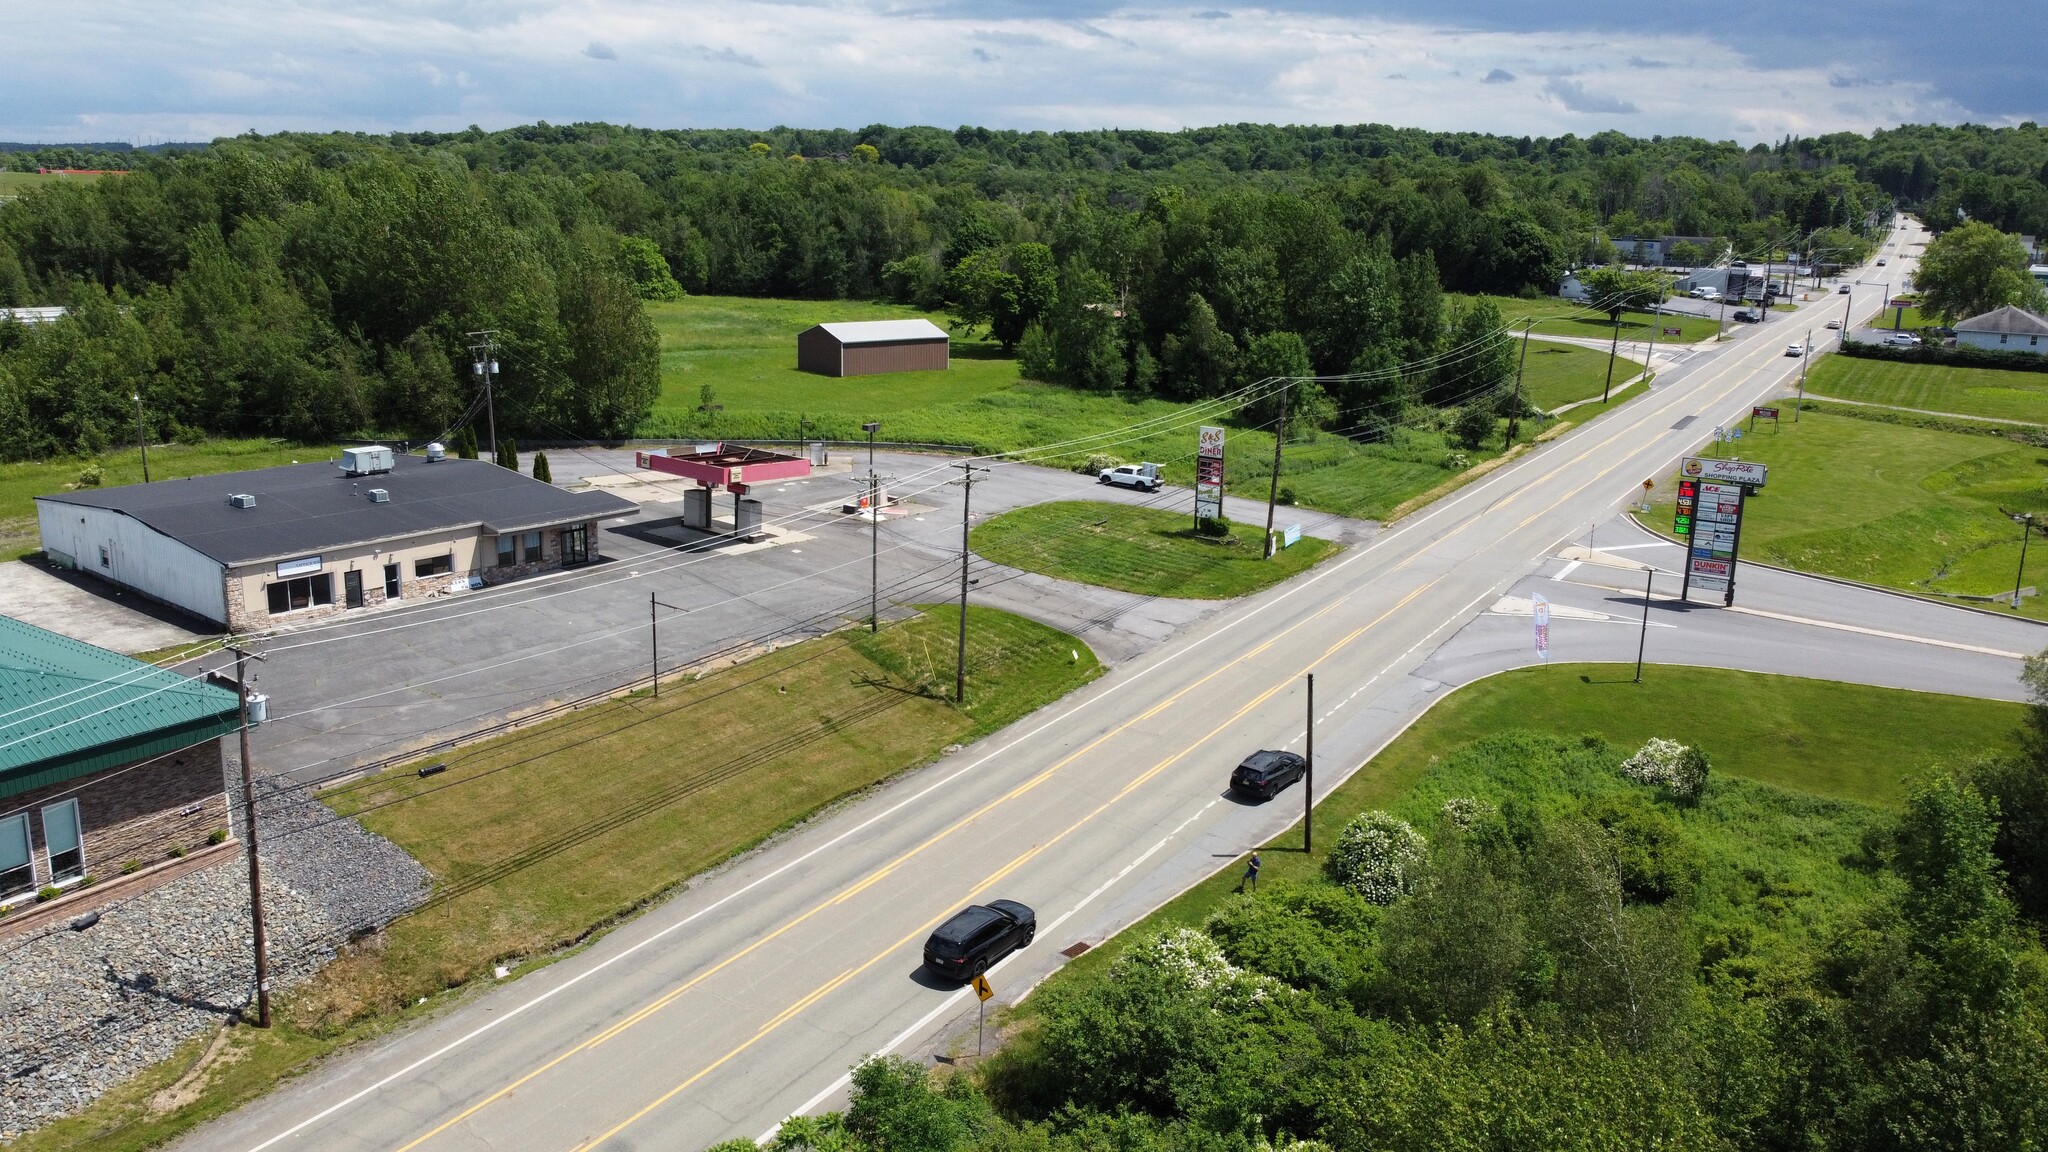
(143, 70)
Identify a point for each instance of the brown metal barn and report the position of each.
(867, 347)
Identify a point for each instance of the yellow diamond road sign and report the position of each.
(982, 989)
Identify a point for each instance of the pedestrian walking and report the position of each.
(1251, 875)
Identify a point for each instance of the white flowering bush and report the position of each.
(1668, 764)
(1191, 958)
(1462, 812)
(1376, 856)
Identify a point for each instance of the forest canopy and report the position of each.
(320, 285)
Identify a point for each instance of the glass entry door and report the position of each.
(352, 588)
(575, 545)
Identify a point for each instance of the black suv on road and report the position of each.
(977, 936)
(1264, 774)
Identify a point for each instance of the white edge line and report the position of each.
(926, 1020)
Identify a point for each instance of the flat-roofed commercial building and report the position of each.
(246, 550)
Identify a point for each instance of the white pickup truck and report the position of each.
(1143, 476)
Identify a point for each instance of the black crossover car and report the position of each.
(1264, 774)
(977, 936)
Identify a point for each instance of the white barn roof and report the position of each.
(884, 331)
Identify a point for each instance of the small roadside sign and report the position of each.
(982, 989)
(1291, 536)
(1674, 331)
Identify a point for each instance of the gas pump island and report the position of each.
(1711, 493)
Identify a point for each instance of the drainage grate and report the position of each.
(1682, 423)
(1074, 950)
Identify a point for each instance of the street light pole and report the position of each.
(1799, 404)
(1612, 348)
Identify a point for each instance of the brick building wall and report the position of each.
(136, 814)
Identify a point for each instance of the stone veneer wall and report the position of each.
(137, 813)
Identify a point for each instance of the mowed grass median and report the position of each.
(1994, 392)
(1147, 551)
(1919, 509)
(542, 838)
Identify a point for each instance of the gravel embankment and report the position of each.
(86, 1010)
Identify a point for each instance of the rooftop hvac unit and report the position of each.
(437, 451)
(380, 496)
(365, 461)
(242, 500)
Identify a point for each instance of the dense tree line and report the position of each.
(259, 287)
(318, 284)
(1588, 959)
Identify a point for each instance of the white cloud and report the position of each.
(135, 68)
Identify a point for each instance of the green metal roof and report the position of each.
(68, 709)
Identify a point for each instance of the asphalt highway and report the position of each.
(748, 997)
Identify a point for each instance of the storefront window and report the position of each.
(508, 551)
(534, 554)
(301, 592)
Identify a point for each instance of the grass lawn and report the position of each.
(1559, 317)
(515, 881)
(1904, 507)
(1993, 392)
(1845, 746)
(1148, 551)
(1557, 374)
(21, 483)
(745, 349)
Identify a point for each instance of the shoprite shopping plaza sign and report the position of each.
(1744, 472)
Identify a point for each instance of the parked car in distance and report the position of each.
(1141, 476)
(1902, 339)
(1744, 315)
(1795, 350)
(977, 936)
(1264, 773)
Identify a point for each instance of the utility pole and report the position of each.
(141, 438)
(1515, 412)
(875, 534)
(1656, 327)
(874, 501)
(2026, 530)
(255, 868)
(1800, 402)
(485, 353)
(1273, 490)
(1308, 781)
(1612, 348)
(654, 639)
(1848, 306)
(967, 470)
(1643, 639)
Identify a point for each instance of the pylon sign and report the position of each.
(1209, 474)
(1709, 520)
